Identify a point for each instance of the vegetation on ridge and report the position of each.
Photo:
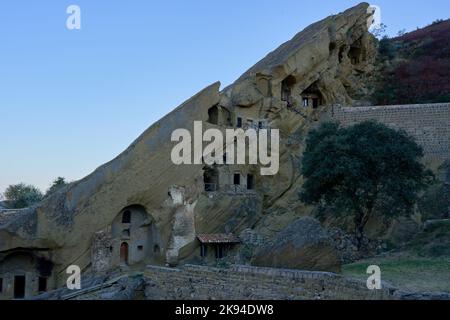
(414, 67)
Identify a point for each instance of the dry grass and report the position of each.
(407, 272)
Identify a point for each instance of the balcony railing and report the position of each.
(228, 188)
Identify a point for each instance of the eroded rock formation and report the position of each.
(140, 207)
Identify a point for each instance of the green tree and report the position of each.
(22, 195)
(362, 169)
(57, 184)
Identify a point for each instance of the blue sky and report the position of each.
(71, 100)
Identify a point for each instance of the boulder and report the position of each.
(304, 245)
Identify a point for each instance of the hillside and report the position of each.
(415, 68)
(422, 264)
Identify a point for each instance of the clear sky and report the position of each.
(71, 100)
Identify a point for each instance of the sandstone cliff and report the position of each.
(290, 89)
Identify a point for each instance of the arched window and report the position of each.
(126, 217)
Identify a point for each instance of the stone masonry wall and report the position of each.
(429, 124)
(253, 283)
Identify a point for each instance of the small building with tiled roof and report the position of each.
(220, 243)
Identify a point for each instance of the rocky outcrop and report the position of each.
(289, 89)
(87, 223)
(143, 174)
(347, 246)
(302, 245)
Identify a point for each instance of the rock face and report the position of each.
(142, 208)
(302, 245)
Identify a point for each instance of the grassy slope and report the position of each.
(410, 273)
(421, 265)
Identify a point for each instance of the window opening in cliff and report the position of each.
(287, 86)
(140, 248)
(124, 253)
(42, 284)
(1, 285)
(354, 54)
(312, 96)
(126, 217)
(237, 179)
(305, 102)
(226, 116)
(250, 182)
(213, 115)
(19, 287)
(211, 179)
(156, 249)
(44, 267)
(239, 122)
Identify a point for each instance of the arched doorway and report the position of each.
(124, 253)
(287, 85)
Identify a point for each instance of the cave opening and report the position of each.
(287, 86)
(213, 115)
(312, 96)
(211, 179)
(354, 54)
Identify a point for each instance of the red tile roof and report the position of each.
(218, 238)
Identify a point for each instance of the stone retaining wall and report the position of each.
(429, 124)
(248, 282)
